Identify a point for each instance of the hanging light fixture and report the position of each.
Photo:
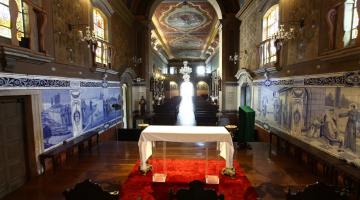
(186, 71)
(284, 34)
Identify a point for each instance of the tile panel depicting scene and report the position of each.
(325, 117)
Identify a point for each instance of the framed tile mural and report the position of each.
(324, 112)
(96, 106)
(70, 107)
(56, 116)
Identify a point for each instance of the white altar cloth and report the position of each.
(186, 134)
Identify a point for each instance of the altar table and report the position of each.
(186, 134)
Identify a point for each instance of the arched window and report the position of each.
(100, 30)
(270, 27)
(5, 19)
(351, 21)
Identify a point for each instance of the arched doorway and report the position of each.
(174, 89)
(245, 95)
(187, 90)
(126, 80)
(202, 89)
(125, 103)
(245, 89)
(186, 115)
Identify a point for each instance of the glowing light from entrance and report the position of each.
(186, 115)
(187, 90)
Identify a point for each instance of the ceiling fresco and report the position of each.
(186, 28)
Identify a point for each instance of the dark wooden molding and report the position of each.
(9, 55)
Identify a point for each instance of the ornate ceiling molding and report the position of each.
(187, 30)
(185, 18)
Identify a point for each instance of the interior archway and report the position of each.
(202, 89)
(174, 89)
(245, 98)
(199, 40)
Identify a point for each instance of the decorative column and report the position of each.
(143, 48)
(41, 20)
(230, 45)
(14, 12)
(358, 11)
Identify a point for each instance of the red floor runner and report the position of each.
(179, 174)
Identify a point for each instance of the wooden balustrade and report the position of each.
(267, 52)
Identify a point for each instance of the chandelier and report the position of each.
(186, 70)
(89, 36)
(283, 34)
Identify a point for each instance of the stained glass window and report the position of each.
(270, 27)
(100, 29)
(5, 19)
(22, 22)
(351, 21)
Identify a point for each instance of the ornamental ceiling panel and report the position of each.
(186, 28)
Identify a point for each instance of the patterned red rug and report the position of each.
(179, 174)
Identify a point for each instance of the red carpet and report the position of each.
(179, 174)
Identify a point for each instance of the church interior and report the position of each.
(179, 99)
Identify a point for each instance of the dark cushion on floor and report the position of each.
(88, 190)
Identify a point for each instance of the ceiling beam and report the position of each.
(161, 37)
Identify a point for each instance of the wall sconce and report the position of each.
(136, 61)
(138, 80)
(89, 35)
(236, 57)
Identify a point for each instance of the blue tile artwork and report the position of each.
(325, 117)
(96, 107)
(62, 110)
(70, 107)
(56, 116)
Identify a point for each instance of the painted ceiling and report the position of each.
(188, 29)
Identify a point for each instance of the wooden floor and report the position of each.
(110, 162)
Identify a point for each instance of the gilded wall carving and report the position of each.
(123, 38)
(68, 48)
(250, 35)
(307, 45)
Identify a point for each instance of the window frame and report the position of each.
(266, 17)
(350, 30)
(102, 49)
(9, 28)
(268, 55)
(25, 17)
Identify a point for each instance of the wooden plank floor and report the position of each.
(110, 162)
